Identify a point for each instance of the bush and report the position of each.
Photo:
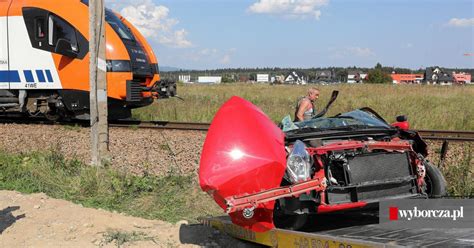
(377, 76)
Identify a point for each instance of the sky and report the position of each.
(211, 34)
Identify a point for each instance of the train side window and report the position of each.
(45, 29)
(39, 28)
(59, 29)
(52, 33)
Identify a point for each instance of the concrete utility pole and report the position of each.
(98, 84)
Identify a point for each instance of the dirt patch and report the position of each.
(37, 220)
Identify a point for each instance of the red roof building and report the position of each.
(406, 78)
(462, 78)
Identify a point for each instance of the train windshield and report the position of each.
(118, 26)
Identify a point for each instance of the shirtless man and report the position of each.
(305, 109)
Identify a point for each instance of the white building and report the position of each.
(354, 77)
(185, 78)
(351, 79)
(263, 78)
(294, 78)
(209, 80)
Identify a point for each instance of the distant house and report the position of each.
(325, 76)
(184, 78)
(278, 79)
(462, 78)
(295, 78)
(263, 78)
(435, 75)
(243, 78)
(355, 77)
(209, 80)
(398, 78)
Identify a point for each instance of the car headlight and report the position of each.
(298, 167)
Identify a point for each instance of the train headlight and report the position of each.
(118, 66)
(298, 167)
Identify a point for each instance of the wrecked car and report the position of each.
(263, 176)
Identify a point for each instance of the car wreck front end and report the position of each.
(264, 177)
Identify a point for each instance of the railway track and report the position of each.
(449, 135)
(426, 134)
(194, 126)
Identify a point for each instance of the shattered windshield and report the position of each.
(350, 120)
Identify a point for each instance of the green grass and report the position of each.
(460, 176)
(120, 237)
(170, 198)
(427, 106)
(74, 127)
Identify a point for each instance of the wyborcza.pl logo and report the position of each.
(423, 213)
(415, 213)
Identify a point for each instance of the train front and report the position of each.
(133, 73)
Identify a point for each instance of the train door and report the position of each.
(4, 73)
(31, 52)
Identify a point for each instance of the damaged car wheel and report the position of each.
(435, 182)
(285, 220)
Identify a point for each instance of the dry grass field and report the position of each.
(427, 107)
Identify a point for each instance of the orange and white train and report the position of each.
(44, 61)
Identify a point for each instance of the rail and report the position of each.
(193, 126)
(426, 134)
(448, 135)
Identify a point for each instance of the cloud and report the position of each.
(208, 52)
(153, 22)
(461, 22)
(289, 8)
(177, 39)
(360, 51)
(225, 60)
(212, 55)
(347, 52)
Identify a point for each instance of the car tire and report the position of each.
(435, 182)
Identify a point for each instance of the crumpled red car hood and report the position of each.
(243, 153)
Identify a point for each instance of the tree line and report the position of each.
(377, 74)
